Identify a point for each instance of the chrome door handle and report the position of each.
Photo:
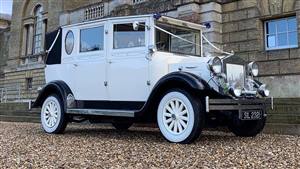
(148, 56)
(191, 67)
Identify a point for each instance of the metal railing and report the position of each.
(10, 94)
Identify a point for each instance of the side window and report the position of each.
(126, 37)
(92, 39)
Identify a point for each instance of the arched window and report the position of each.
(38, 30)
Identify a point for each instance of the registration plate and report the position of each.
(251, 114)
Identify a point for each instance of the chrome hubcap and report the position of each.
(175, 116)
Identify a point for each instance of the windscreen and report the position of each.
(175, 44)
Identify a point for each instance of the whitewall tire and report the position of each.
(179, 116)
(53, 117)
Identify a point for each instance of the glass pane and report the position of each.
(91, 39)
(184, 41)
(271, 41)
(293, 39)
(271, 27)
(126, 37)
(69, 42)
(292, 24)
(282, 39)
(180, 46)
(281, 25)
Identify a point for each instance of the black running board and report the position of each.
(102, 112)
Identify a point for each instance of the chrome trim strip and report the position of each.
(101, 112)
(207, 104)
(249, 92)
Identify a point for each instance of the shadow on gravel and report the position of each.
(151, 134)
(107, 133)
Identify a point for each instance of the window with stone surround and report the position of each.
(29, 83)
(281, 33)
(38, 30)
(35, 24)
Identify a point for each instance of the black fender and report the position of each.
(55, 87)
(188, 81)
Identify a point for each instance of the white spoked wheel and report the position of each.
(51, 115)
(176, 117)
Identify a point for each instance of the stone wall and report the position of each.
(236, 25)
(243, 32)
(16, 80)
(4, 39)
(18, 112)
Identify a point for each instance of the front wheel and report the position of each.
(244, 128)
(180, 117)
(53, 117)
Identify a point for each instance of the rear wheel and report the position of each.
(53, 116)
(180, 117)
(245, 128)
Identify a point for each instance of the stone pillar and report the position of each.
(30, 39)
(24, 41)
(43, 34)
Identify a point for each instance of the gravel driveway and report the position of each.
(24, 145)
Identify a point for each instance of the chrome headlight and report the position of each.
(263, 91)
(216, 65)
(236, 92)
(253, 68)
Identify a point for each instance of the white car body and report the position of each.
(148, 68)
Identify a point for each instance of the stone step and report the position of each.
(280, 128)
(7, 118)
(285, 119)
(14, 106)
(20, 113)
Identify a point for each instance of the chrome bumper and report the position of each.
(239, 104)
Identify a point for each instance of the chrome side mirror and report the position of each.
(151, 49)
(135, 25)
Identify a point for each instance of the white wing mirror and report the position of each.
(135, 25)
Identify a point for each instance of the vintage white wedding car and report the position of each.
(145, 69)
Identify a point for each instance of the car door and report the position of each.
(128, 66)
(90, 63)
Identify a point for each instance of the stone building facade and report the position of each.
(238, 25)
(4, 41)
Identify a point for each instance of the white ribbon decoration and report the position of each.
(212, 45)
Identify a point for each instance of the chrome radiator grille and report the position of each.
(235, 75)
